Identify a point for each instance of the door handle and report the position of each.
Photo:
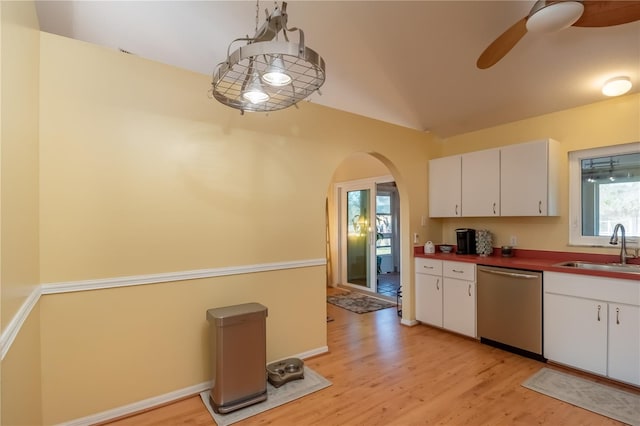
(540, 207)
(617, 315)
(438, 284)
(456, 210)
(469, 290)
(599, 307)
(494, 208)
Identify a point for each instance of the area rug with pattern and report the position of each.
(359, 303)
(602, 399)
(288, 392)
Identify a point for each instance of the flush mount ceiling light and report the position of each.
(268, 74)
(616, 86)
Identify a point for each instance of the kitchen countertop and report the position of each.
(535, 260)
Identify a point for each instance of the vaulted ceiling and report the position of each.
(411, 63)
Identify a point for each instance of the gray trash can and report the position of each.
(238, 356)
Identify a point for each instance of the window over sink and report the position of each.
(604, 189)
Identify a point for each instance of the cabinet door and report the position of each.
(459, 307)
(429, 299)
(624, 343)
(575, 332)
(481, 183)
(525, 184)
(445, 184)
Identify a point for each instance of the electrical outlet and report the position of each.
(423, 220)
(513, 241)
(416, 238)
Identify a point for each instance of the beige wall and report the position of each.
(19, 267)
(610, 122)
(141, 173)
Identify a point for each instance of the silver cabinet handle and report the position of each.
(617, 315)
(456, 210)
(427, 267)
(438, 284)
(494, 208)
(540, 207)
(469, 290)
(599, 307)
(457, 271)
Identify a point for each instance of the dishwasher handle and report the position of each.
(509, 274)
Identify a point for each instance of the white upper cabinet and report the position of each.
(529, 179)
(445, 184)
(515, 180)
(481, 183)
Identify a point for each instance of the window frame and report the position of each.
(575, 191)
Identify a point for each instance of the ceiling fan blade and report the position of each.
(502, 45)
(598, 13)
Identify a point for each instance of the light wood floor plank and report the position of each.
(384, 373)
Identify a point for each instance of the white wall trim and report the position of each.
(167, 398)
(139, 406)
(104, 283)
(13, 328)
(409, 323)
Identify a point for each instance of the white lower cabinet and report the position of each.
(460, 306)
(446, 295)
(624, 343)
(577, 332)
(593, 324)
(429, 291)
(429, 299)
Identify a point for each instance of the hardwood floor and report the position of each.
(384, 373)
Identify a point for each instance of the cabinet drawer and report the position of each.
(428, 266)
(459, 270)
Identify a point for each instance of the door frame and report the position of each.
(340, 190)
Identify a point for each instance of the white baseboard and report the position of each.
(139, 406)
(167, 398)
(409, 323)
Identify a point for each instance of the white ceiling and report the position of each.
(411, 63)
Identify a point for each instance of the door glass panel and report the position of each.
(358, 232)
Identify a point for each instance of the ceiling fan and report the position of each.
(553, 15)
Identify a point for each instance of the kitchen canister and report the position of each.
(429, 248)
(484, 242)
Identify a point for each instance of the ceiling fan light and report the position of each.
(616, 86)
(275, 74)
(554, 16)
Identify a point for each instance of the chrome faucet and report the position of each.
(623, 246)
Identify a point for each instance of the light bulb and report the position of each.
(254, 92)
(616, 86)
(275, 74)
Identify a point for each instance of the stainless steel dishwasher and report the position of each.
(510, 309)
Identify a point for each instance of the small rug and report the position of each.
(602, 399)
(358, 303)
(288, 392)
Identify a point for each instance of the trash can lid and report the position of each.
(248, 310)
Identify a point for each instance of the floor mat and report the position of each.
(288, 392)
(602, 399)
(358, 303)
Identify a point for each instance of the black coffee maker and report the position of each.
(466, 241)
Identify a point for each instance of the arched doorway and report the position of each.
(363, 218)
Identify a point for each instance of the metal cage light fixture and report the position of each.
(267, 74)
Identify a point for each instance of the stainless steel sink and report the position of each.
(609, 267)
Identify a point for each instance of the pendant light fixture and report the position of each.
(267, 74)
